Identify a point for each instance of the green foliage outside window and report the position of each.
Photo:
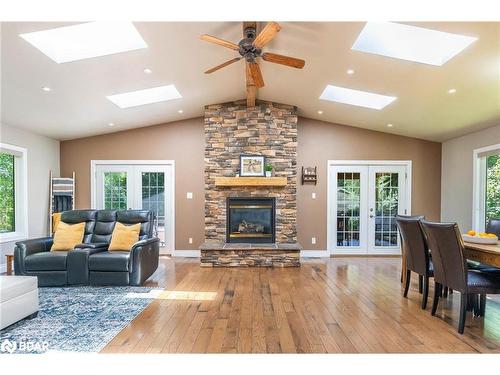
(115, 191)
(7, 193)
(492, 187)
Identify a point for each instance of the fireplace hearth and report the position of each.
(250, 220)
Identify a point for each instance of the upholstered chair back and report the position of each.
(104, 225)
(447, 250)
(138, 216)
(79, 216)
(414, 244)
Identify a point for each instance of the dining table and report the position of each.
(486, 254)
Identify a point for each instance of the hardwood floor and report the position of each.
(337, 305)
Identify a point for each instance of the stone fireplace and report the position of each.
(231, 130)
(250, 220)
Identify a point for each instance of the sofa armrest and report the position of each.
(145, 242)
(95, 245)
(144, 260)
(29, 247)
(77, 263)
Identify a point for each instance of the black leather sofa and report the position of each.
(90, 263)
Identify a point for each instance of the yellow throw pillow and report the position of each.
(124, 237)
(67, 236)
(56, 219)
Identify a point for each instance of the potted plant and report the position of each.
(269, 170)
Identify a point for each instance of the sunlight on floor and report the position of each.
(175, 295)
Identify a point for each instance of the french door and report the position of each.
(138, 186)
(364, 200)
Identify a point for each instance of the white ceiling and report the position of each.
(77, 107)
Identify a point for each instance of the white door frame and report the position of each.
(169, 213)
(331, 199)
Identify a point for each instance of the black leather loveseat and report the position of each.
(90, 262)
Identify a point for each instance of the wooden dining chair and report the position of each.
(494, 226)
(451, 270)
(416, 254)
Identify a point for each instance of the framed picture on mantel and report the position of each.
(252, 165)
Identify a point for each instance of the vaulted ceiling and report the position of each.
(77, 107)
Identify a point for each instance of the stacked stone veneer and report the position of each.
(232, 129)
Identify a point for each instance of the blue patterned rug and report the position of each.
(76, 319)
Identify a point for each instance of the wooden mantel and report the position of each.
(250, 181)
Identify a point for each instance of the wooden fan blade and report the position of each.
(267, 34)
(220, 42)
(215, 68)
(283, 60)
(256, 75)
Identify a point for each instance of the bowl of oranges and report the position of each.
(480, 237)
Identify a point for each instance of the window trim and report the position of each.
(20, 191)
(479, 185)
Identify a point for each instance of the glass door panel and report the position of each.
(115, 191)
(114, 185)
(349, 206)
(385, 202)
(153, 198)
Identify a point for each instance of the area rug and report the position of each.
(75, 319)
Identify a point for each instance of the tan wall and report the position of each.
(321, 141)
(317, 142)
(181, 141)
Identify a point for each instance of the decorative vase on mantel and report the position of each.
(269, 170)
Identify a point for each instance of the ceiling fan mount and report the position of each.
(250, 48)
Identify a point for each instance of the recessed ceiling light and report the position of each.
(148, 71)
(356, 97)
(46, 89)
(452, 91)
(147, 96)
(350, 72)
(111, 124)
(86, 40)
(410, 42)
(320, 112)
(180, 111)
(390, 125)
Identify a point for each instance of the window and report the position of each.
(492, 207)
(13, 194)
(486, 186)
(7, 192)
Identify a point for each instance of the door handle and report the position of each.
(371, 216)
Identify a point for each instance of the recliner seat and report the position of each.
(90, 262)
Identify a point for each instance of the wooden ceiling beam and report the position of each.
(251, 88)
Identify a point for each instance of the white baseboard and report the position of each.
(314, 254)
(186, 253)
(3, 268)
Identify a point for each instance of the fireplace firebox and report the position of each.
(251, 220)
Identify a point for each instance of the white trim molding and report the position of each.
(314, 254)
(479, 185)
(187, 253)
(21, 193)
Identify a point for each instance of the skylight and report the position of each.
(86, 40)
(147, 96)
(410, 42)
(356, 97)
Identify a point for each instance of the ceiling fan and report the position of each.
(250, 48)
